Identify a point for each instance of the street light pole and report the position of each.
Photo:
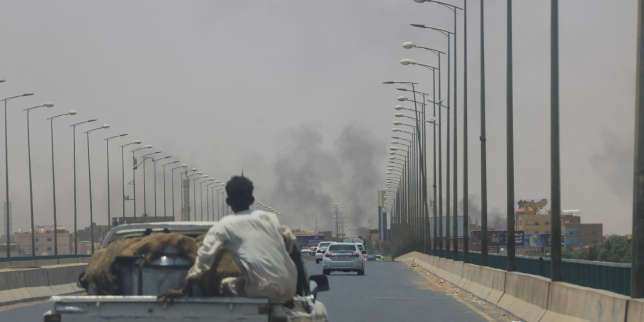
(455, 158)
(637, 265)
(483, 144)
(510, 144)
(123, 174)
(53, 176)
(205, 176)
(455, 111)
(74, 125)
(144, 158)
(213, 187)
(555, 180)
(194, 192)
(6, 171)
(109, 199)
(31, 193)
(154, 163)
(134, 167)
(172, 179)
(202, 188)
(163, 168)
(466, 224)
(211, 199)
(89, 177)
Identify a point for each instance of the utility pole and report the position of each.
(510, 143)
(483, 144)
(337, 223)
(555, 175)
(466, 228)
(637, 270)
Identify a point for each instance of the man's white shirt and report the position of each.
(255, 241)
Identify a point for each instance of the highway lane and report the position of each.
(388, 292)
(24, 312)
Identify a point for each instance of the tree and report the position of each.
(614, 248)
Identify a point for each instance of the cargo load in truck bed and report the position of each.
(139, 262)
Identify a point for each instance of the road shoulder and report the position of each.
(486, 310)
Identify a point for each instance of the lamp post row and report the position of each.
(453, 241)
(394, 185)
(7, 206)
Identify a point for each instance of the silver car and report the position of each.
(345, 257)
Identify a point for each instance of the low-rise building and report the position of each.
(533, 224)
(44, 238)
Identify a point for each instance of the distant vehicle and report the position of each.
(139, 286)
(345, 257)
(319, 252)
(308, 251)
(363, 250)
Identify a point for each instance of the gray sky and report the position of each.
(225, 85)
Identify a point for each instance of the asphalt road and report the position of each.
(31, 312)
(388, 292)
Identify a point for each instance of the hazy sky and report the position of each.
(229, 85)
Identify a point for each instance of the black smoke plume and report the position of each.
(311, 178)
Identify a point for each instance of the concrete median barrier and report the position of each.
(526, 296)
(450, 270)
(13, 278)
(28, 284)
(530, 297)
(568, 302)
(64, 274)
(34, 277)
(484, 282)
(635, 310)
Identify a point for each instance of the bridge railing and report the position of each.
(31, 258)
(614, 277)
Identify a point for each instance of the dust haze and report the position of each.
(312, 177)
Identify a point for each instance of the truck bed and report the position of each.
(146, 308)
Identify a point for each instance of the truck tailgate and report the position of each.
(146, 308)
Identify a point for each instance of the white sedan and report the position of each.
(345, 257)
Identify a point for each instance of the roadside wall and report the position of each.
(28, 284)
(531, 297)
(34, 263)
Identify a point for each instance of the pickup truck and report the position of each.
(140, 285)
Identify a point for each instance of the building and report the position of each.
(44, 238)
(537, 229)
(532, 224)
(307, 238)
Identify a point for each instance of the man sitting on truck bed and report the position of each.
(257, 243)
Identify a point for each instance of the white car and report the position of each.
(319, 252)
(345, 257)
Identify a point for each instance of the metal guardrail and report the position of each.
(614, 277)
(33, 258)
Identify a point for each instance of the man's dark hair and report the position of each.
(239, 190)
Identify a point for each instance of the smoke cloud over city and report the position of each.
(312, 177)
(614, 164)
